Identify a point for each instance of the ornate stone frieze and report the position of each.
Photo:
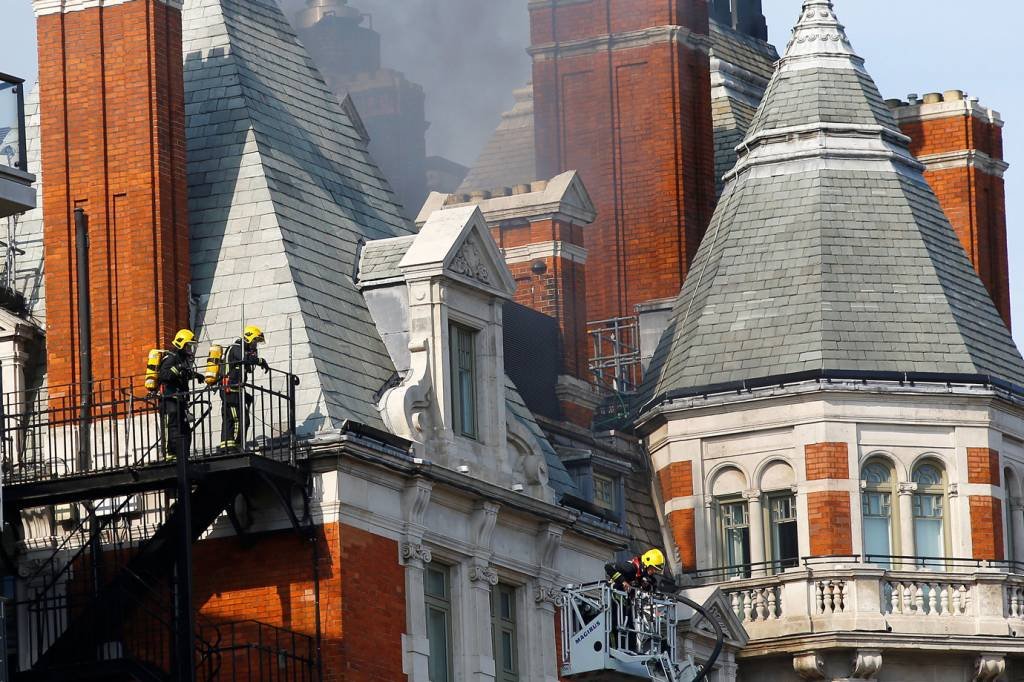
(469, 261)
(547, 594)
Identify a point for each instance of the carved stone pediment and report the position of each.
(469, 261)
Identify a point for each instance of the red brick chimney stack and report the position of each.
(622, 95)
(113, 143)
(960, 142)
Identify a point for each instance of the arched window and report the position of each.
(733, 521)
(876, 510)
(929, 513)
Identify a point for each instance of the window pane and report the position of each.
(876, 473)
(435, 583)
(507, 657)
(785, 548)
(437, 636)
(506, 605)
(604, 492)
(463, 362)
(928, 537)
(927, 474)
(876, 537)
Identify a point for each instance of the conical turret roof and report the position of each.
(828, 249)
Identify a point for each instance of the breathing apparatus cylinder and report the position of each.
(213, 364)
(153, 368)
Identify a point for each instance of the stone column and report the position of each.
(415, 556)
(415, 645)
(755, 520)
(539, 634)
(476, 622)
(906, 512)
(1016, 528)
(711, 551)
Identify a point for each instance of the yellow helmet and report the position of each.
(654, 558)
(183, 338)
(253, 334)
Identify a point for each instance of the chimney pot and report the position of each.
(953, 95)
(538, 185)
(932, 98)
(479, 195)
(912, 98)
(521, 188)
(894, 103)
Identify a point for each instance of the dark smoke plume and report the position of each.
(469, 55)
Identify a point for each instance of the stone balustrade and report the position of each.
(846, 597)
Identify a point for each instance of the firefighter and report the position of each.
(241, 359)
(639, 573)
(174, 377)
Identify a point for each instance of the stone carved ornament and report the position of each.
(545, 594)
(989, 667)
(406, 408)
(483, 574)
(809, 666)
(469, 261)
(866, 664)
(414, 552)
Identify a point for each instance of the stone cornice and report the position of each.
(530, 252)
(966, 158)
(911, 113)
(43, 7)
(629, 40)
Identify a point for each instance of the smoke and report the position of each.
(469, 55)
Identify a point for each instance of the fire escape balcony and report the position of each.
(16, 192)
(854, 601)
(106, 592)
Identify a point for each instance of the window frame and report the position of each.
(770, 527)
(501, 625)
(442, 603)
(455, 351)
(940, 490)
(892, 490)
(737, 569)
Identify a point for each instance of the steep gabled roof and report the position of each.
(282, 192)
(828, 250)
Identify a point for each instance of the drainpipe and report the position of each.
(84, 341)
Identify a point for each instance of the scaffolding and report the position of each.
(615, 356)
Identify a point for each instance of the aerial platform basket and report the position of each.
(609, 635)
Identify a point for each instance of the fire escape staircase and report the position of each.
(104, 604)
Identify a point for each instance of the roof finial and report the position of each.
(818, 33)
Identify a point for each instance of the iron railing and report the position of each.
(257, 652)
(46, 435)
(13, 148)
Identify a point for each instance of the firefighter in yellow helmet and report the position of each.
(241, 358)
(174, 379)
(639, 573)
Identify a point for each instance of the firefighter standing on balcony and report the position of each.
(240, 360)
(174, 378)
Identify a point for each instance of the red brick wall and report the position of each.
(113, 143)
(826, 460)
(684, 532)
(560, 291)
(636, 124)
(828, 516)
(986, 527)
(983, 466)
(676, 480)
(974, 201)
(362, 594)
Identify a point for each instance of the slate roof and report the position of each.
(281, 192)
(828, 249)
(559, 479)
(509, 157)
(379, 259)
(744, 51)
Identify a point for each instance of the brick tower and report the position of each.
(960, 142)
(113, 144)
(622, 95)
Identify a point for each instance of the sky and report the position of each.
(470, 54)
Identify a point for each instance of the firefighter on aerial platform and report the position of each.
(639, 573)
(174, 377)
(241, 359)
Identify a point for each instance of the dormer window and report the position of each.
(605, 493)
(462, 342)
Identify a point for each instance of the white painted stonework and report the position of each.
(43, 7)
